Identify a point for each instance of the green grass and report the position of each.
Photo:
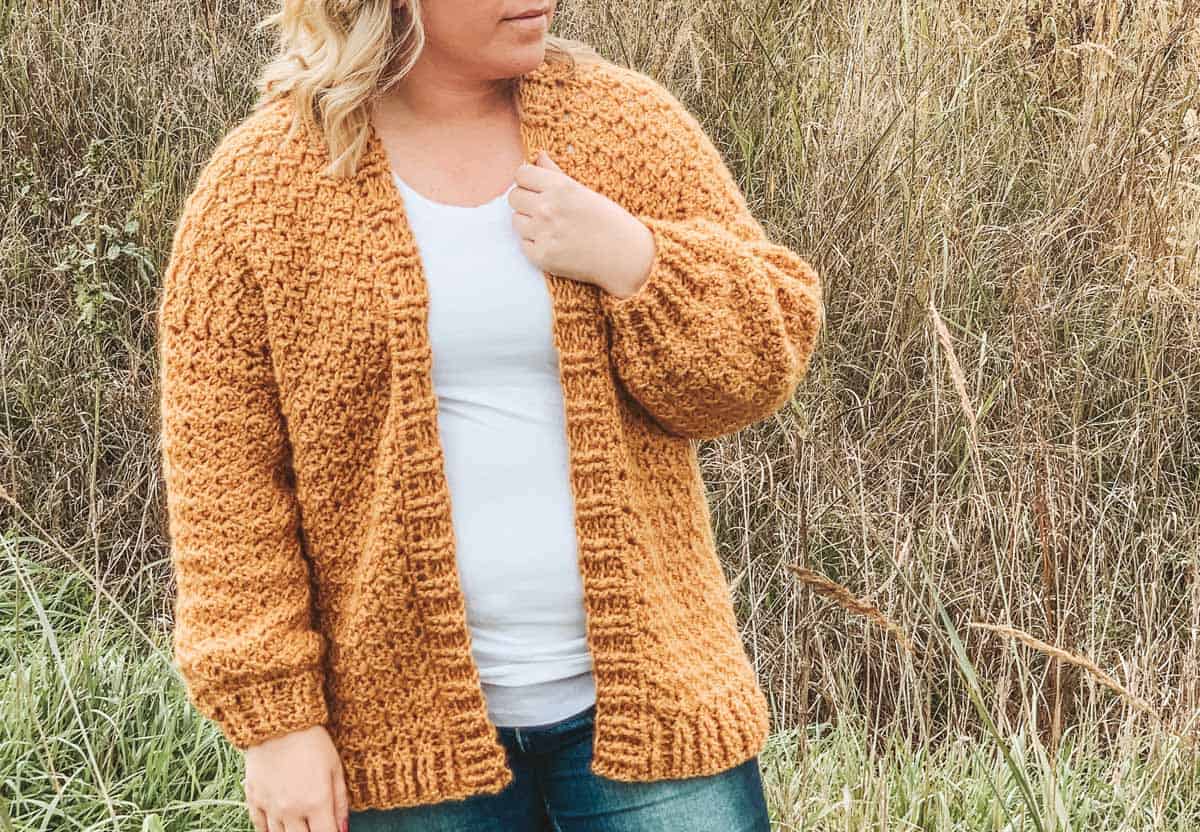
(96, 734)
(95, 729)
(966, 784)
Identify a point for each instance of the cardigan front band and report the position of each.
(308, 511)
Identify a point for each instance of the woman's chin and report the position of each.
(525, 57)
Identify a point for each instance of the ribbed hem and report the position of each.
(658, 745)
(256, 712)
(638, 747)
(400, 775)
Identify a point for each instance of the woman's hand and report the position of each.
(570, 230)
(294, 783)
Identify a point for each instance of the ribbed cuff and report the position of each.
(647, 293)
(250, 714)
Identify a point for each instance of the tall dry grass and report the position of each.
(1002, 422)
(1002, 201)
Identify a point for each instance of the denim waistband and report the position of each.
(548, 737)
(560, 723)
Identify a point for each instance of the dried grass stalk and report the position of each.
(1073, 658)
(845, 599)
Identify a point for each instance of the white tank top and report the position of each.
(503, 436)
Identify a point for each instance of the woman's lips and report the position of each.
(533, 21)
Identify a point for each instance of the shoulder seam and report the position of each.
(224, 177)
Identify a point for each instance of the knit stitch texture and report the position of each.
(308, 510)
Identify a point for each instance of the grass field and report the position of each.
(966, 557)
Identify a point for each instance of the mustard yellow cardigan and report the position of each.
(309, 516)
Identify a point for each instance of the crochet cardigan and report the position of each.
(308, 512)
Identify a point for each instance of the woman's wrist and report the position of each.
(630, 272)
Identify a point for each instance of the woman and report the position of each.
(442, 321)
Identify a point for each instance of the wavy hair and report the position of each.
(336, 56)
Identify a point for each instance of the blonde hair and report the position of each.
(335, 56)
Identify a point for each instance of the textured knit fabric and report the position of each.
(504, 446)
(308, 508)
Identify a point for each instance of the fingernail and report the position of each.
(346, 824)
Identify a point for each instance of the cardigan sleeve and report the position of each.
(721, 333)
(243, 639)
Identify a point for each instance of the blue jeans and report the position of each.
(553, 791)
